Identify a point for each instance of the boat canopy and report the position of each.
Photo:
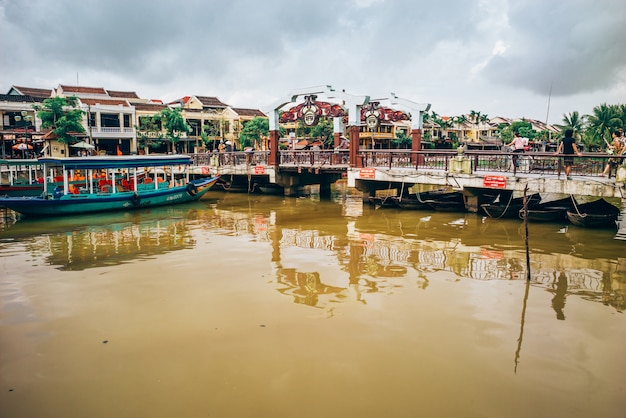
(84, 163)
(20, 162)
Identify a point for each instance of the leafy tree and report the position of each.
(149, 132)
(324, 131)
(174, 123)
(253, 131)
(402, 140)
(573, 121)
(62, 116)
(604, 119)
(524, 128)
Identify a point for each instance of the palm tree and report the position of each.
(573, 121)
(605, 118)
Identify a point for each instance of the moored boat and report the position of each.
(553, 211)
(121, 188)
(598, 213)
(509, 207)
(448, 202)
(417, 201)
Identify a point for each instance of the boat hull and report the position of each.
(74, 204)
(553, 211)
(510, 208)
(25, 190)
(596, 214)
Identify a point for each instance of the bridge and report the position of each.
(471, 171)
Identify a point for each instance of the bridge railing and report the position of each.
(589, 164)
(546, 163)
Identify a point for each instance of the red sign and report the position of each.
(367, 173)
(259, 169)
(498, 182)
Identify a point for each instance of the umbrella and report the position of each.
(22, 146)
(83, 145)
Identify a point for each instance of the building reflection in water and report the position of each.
(331, 252)
(322, 256)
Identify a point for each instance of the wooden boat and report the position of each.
(552, 211)
(417, 201)
(382, 201)
(509, 208)
(448, 202)
(598, 213)
(119, 189)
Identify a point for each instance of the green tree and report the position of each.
(573, 121)
(253, 131)
(324, 131)
(605, 118)
(149, 132)
(174, 124)
(61, 115)
(402, 140)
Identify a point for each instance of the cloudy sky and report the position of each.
(498, 57)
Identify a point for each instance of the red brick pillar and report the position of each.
(337, 136)
(353, 132)
(416, 145)
(273, 157)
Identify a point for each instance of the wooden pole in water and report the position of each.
(526, 233)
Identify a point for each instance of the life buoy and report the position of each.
(192, 189)
(135, 199)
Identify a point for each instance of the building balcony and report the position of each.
(111, 132)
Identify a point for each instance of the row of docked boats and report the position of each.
(597, 213)
(78, 185)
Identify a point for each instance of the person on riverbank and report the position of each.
(616, 148)
(568, 147)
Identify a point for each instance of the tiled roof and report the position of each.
(84, 90)
(208, 101)
(248, 112)
(149, 107)
(16, 98)
(107, 102)
(35, 92)
(123, 94)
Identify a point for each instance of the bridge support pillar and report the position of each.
(325, 190)
(273, 157)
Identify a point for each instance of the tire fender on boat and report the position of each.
(192, 189)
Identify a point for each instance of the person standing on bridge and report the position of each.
(616, 148)
(568, 148)
(518, 146)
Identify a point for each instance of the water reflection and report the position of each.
(320, 252)
(306, 297)
(107, 239)
(328, 252)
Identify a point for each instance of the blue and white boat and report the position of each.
(101, 184)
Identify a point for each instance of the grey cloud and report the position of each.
(575, 45)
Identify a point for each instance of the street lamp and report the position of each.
(23, 119)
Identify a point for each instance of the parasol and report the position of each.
(83, 145)
(22, 146)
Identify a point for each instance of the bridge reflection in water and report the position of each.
(255, 301)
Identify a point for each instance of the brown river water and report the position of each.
(263, 306)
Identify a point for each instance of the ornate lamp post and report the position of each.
(23, 119)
